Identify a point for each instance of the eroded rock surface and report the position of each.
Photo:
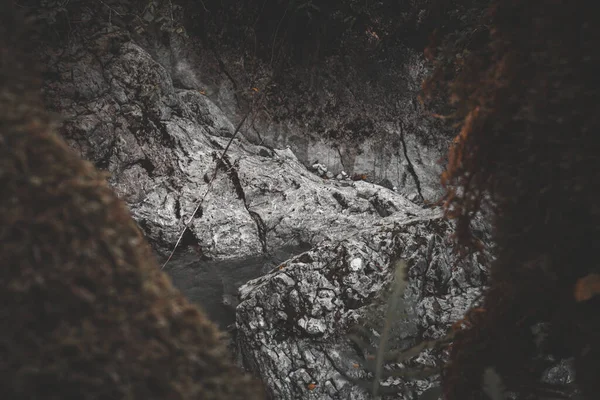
(294, 322)
(161, 144)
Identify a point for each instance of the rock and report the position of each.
(86, 312)
(159, 145)
(302, 311)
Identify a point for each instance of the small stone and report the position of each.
(356, 264)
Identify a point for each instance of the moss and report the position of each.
(84, 309)
(526, 97)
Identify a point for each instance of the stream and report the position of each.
(213, 284)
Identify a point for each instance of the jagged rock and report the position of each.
(293, 323)
(160, 146)
(319, 169)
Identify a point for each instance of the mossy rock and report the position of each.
(85, 311)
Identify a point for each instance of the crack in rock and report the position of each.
(226, 165)
(410, 167)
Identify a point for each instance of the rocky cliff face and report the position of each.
(159, 142)
(159, 123)
(367, 125)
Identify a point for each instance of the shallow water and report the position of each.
(214, 284)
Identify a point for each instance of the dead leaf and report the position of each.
(587, 287)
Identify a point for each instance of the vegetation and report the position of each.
(523, 88)
(85, 311)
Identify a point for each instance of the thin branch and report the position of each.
(214, 175)
(255, 106)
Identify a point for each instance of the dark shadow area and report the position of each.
(214, 284)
